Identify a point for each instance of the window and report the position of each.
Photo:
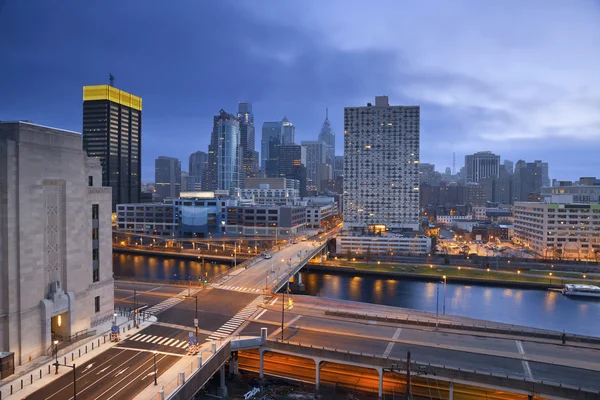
(95, 275)
(90, 181)
(97, 304)
(94, 233)
(95, 254)
(94, 211)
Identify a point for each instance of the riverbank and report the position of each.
(183, 254)
(434, 273)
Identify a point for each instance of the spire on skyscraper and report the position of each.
(326, 135)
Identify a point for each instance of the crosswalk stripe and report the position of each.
(134, 336)
(175, 343)
(164, 340)
(167, 343)
(181, 344)
(148, 338)
(156, 340)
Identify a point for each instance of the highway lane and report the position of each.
(113, 374)
(364, 379)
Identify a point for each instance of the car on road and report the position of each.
(303, 239)
(267, 256)
(294, 241)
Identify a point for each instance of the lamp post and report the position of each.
(518, 274)
(437, 306)
(282, 313)
(550, 274)
(56, 355)
(155, 383)
(444, 309)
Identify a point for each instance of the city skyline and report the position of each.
(545, 96)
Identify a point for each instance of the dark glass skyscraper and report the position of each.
(167, 177)
(112, 132)
(198, 163)
(247, 134)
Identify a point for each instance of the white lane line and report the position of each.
(525, 363)
(390, 345)
(261, 314)
(273, 302)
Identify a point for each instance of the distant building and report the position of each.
(184, 181)
(270, 183)
(56, 239)
(288, 132)
(338, 167)
(292, 164)
(229, 153)
(388, 245)
(271, 140)
(147, 218)
(112, 132)
(577, 194)
(481, 165)
(509, 166)
(559, 231)
(377, 139)
(247, 134)
(198, 163)
(266, 195)
(316, 153)
(324, 175)
(319, 215)
(328, 137)
(265, 221)
(167, 177)
(202, 214)
(529, 178)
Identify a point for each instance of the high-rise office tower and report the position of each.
(326, 135)
(112, 132)
(316, 153)
(229, 153)
(247, 133)
(271, 138)
(198, 163)
(509, 167)
(292, 164)
(338, 166)
(212, 174)
(528, 179)
(482, 165)
(167, 177)
(381, 159)
(288, 132)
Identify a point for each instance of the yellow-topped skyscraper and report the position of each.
(112, 132)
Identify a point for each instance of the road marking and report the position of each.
(167, 343)
(390, 345)
(156, 340)
(148, 339)
(102, 370)
(150, 374)
(89, 366)
(182, 343)
(151, 351)
(525, 363)
(261, 314)
(134, 336)
(152, 290)
(125, 377)
(164, 340)
(123, 370)
(138, 337)
(273, 302)
(289, 324)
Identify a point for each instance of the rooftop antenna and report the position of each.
(326, 113)
(111, 79)
(454, 163)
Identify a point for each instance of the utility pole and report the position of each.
(282, 313)
(408, 391)
(196, 321)
(134, 309)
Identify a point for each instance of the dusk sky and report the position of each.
(518, 78)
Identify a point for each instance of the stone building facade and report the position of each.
(56, 276)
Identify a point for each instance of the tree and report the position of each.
(434, 240)
(368, 254)
(558, 253)
(349, 254)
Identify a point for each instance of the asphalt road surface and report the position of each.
(113, 374)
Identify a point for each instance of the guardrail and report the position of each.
(198, 378)
(279, 284)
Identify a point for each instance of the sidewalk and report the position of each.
(40, 372)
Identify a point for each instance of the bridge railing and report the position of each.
(292, 269)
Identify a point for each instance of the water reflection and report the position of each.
(536, 308)
(159, 268)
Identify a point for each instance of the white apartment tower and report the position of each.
(381, 166)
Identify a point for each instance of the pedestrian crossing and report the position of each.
(163, 305)
(160, 340)
(242, 289)
(230, 326)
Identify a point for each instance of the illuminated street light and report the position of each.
(444, 309)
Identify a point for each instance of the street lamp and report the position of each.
(488, 271)
(518, 274)
(550, 274)
(437, 306)
(155, 383)
(444, 309)
(56, 355)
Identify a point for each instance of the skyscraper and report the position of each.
(482, 165)
(292, 164)
(229, 153)
(381, 157)
(271, 138)
(528, 179)
(338, 166)
(326, 135)
(288, 132)
(249, 155)
(198, 163)
(316, 153)
(112, 132)
(167, 177)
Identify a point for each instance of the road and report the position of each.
(504, 354)
(114, 374)
(268, 271)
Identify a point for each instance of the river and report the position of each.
(528, 307)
